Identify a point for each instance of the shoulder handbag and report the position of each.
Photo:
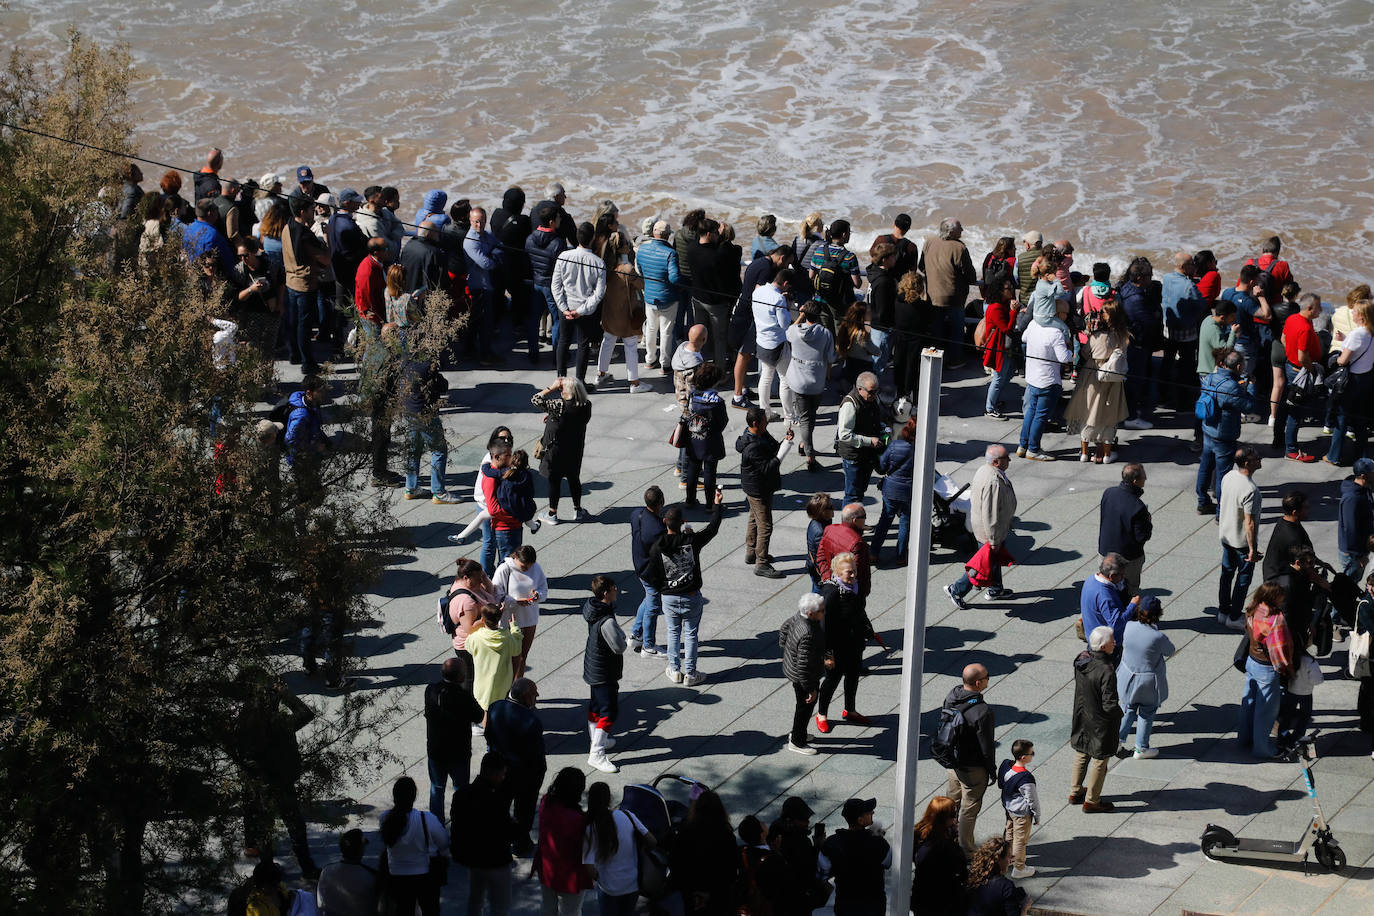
(678, 437)
(1359, 665)
(1242, 653)
(438, 865)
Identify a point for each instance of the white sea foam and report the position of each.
(1128, 128)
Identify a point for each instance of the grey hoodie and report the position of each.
(812, 350)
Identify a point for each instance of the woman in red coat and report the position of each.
(999, 313)
(562, 825)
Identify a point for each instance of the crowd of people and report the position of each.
(304, 271)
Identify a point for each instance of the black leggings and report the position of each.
(850, 673)
(574, 489)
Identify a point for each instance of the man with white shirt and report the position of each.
(579, 285)
(1046, 353)
(772, 317)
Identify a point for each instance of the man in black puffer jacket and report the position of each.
(760, 457)
(602, 666)
(803, 663)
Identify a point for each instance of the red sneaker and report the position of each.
(1301, 456)
(857, 718)
(822, 725)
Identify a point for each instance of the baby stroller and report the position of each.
(949, 523)
(660, 815)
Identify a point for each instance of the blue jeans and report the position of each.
(439, 776)
(902, 512)
(421, 436)
(857, 475)
(300, 316)
(1143, 717)
(1290, 429)
(1216, 462)
(555, 316)
(1259, 708)
(965, 584)
(998, 382)
(497, 544)
(646, 618)
(1234, 566)
(683, 614)
(882, 363)
(1037, 406)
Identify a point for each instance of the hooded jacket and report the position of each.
(511, 228)
(1096, 711)
(433, 209)
(813, 351)
(982, 750)
(601, 663)
(1356, 518)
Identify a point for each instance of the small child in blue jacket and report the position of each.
(1021, 801)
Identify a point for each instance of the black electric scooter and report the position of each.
(1223, 845)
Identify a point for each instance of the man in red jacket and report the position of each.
(370, 285)
(846, 536)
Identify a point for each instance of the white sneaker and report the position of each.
(805, 749)
(674, 676)
(653, 652)
(640, 387)
(1109, 458)
(600, 762)
(1147, 753)
(1326, 430)
(695, 679)
(548, 518)
(1019, 873)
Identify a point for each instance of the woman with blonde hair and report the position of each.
(847, 628)
(1099, 399)
(1357, 355)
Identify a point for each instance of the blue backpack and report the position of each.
(1207, 409)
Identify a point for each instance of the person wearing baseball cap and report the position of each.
(856, 856)
(306, 183)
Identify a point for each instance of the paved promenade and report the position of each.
(729, 732)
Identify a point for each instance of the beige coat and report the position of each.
(992, 506)
(1095, 403)
(622, 309)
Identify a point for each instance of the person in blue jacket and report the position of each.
(897, 465)
(304, 425)
(1221, 435)
(1356, 519)
(1103, 603)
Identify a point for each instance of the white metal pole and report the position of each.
(927, 414)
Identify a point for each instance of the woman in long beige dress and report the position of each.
(1099, 402)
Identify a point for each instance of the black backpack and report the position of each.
(995, 273)
(954, 733)
(445, 620)
(1267, 283)
(831, 278)
(281, 411)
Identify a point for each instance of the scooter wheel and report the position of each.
(1209, 849)
(1330, 856)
